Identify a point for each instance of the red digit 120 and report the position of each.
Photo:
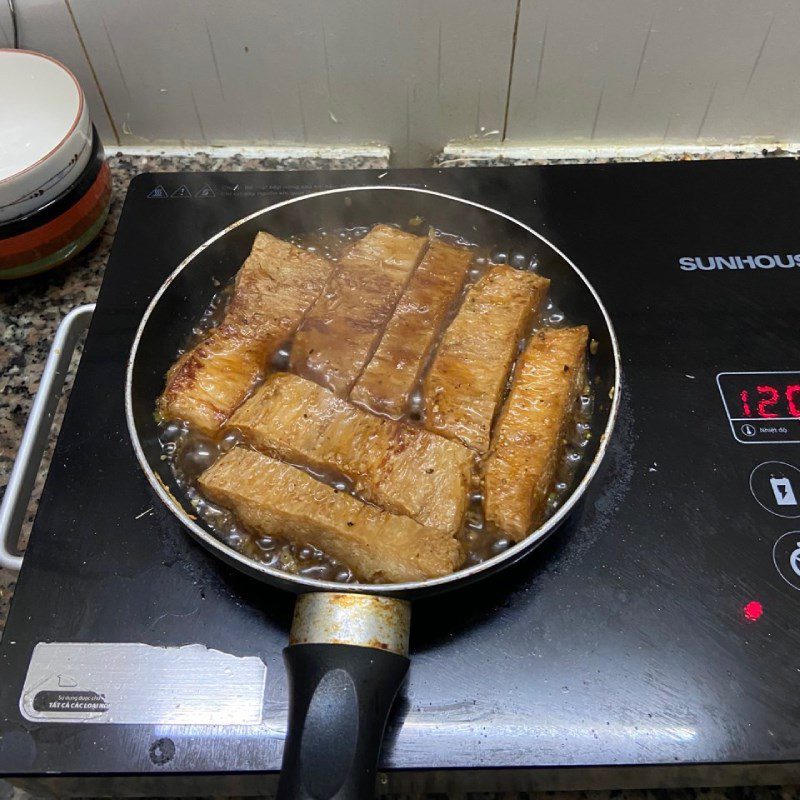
(769, 397)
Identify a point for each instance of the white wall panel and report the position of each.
(46, 25)
(627, 70)
(6, 39)
(417, 74)
(410, 73)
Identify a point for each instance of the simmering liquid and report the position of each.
(190, 452)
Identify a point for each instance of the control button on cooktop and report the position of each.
(776, 487)
(786, 555)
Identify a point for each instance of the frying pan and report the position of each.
(348, 648)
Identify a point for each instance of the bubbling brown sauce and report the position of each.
(190, 452)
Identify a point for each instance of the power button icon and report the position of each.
(786, 557)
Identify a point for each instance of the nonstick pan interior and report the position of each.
(178, 306)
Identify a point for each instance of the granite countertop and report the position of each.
(30, 311)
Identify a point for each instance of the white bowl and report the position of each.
(45, 132)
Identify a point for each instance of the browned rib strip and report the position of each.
(343, 328)
(468, 375)
(274, 288)
(387, 382)
(273, 498)
(401, 468)
(529, 435)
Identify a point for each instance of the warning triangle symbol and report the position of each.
(206, 191)
(181, 191)
(159, 191)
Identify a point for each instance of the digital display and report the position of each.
(762, 406)
(766, 401)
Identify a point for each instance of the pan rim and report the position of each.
(250, 566)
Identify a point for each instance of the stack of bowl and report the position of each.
(55, 186)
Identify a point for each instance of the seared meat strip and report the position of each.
(387, 382)
(343, 328)
(274, 288)
(468, 375)
(529, 435)
(402, 468)
(273, 498)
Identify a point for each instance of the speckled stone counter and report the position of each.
(30, 311)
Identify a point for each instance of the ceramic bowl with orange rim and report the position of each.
(63, 228)
(55, 187)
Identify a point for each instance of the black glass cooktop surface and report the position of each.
(658, 627)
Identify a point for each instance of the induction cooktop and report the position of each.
(653, 641)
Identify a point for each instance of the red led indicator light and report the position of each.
(753, 611)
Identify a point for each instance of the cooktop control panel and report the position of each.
(763, 408)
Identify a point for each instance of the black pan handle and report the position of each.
(345, 664)
(340, 699)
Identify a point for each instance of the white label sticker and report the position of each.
(141, 684)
